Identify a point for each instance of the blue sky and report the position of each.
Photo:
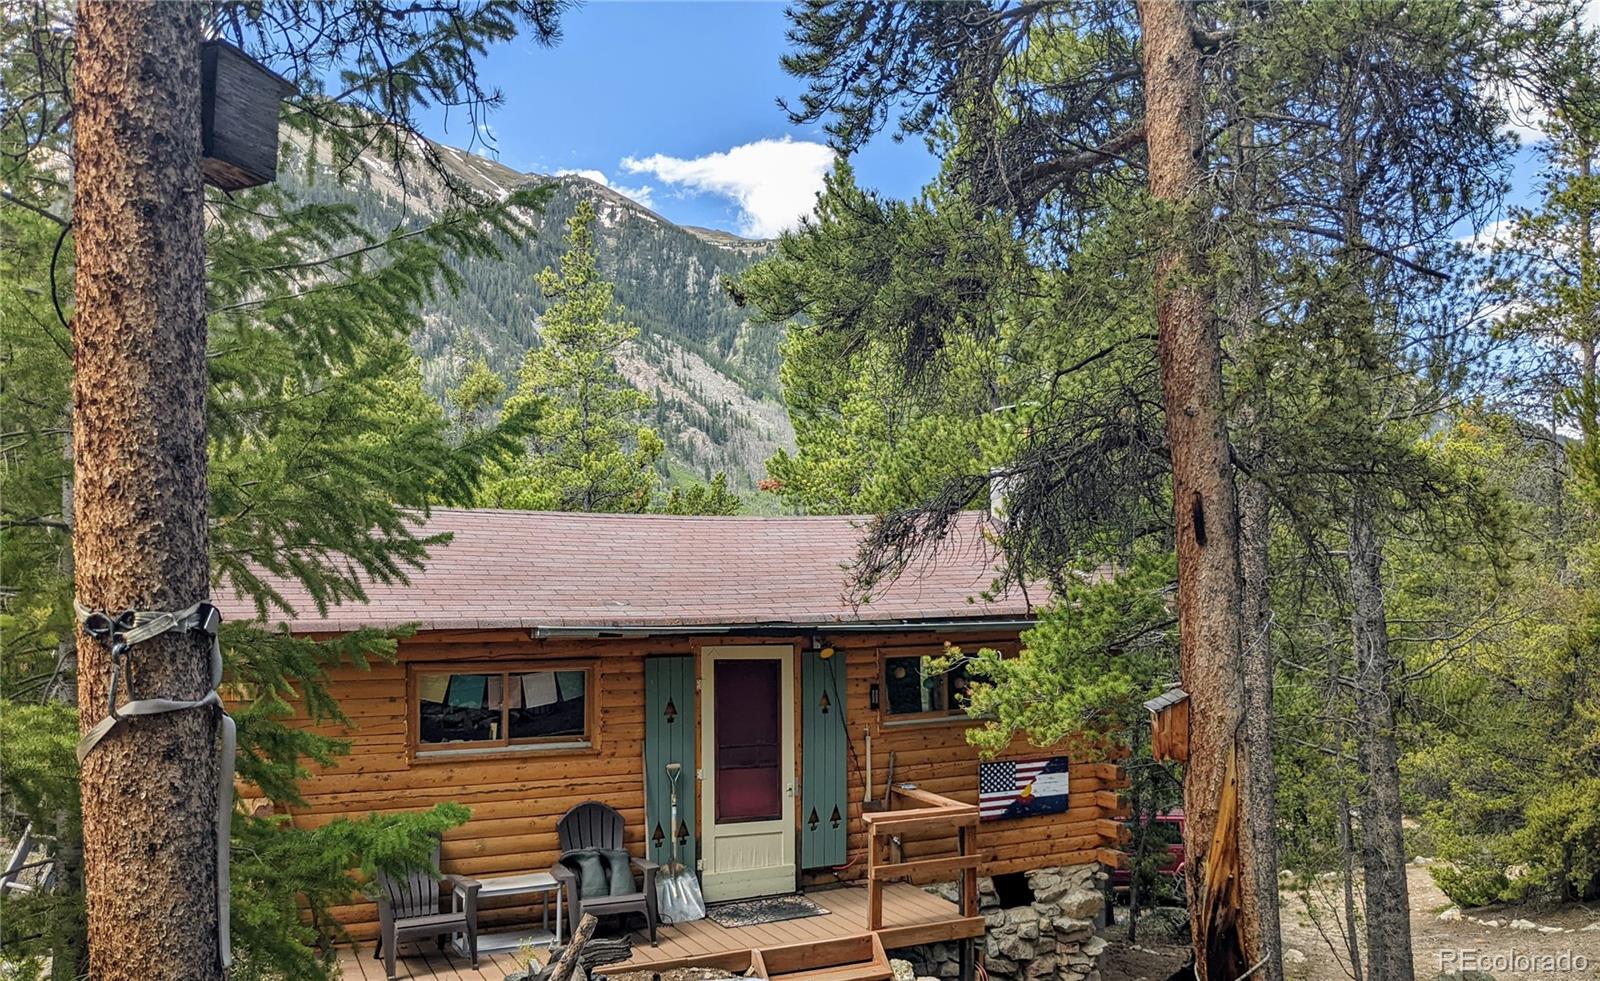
(675, 104)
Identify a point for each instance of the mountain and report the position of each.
(713, 374)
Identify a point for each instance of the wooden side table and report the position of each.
(530, 883)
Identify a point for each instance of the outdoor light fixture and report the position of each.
(824, 651)
(872, 695)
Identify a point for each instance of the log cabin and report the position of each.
(561, 658)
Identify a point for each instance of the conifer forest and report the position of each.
(1258, 338)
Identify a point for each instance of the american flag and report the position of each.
(1019, 788)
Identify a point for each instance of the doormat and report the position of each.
(754, 912)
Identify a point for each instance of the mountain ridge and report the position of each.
(712, 373)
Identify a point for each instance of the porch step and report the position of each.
(855, 958)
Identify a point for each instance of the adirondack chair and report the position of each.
(408, 910)
(596, 825)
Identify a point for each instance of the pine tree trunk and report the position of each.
(139, 445)
(1228, 940)
(1261, 779)
(1347, 856)
(1588, 268)
(1255, 537)
(1143, 820)
(1378, 759)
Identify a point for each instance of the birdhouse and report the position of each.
(1169, 725)
(238, 117)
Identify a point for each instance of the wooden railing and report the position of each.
(913, 811)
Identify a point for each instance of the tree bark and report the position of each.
(1261, 778)
(1347, 857)
(139, 445)
(1588, 271)
(1227, 937)
(1378, 759)
(1255, 536)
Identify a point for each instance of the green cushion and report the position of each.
(621, 870)
(591, 869)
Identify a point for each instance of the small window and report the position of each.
(911, 688)
(475, 708)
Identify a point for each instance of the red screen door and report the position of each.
(749, 750)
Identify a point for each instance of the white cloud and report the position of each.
(597, 176)
(774, 182)
(1490, 235)
(642, 194)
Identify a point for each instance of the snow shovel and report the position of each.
(678, 898)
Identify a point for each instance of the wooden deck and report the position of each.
(360, 965)
(910, 916)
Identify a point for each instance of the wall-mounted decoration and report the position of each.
(1022, 788)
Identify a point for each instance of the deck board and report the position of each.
(906, 909)
(358, 964)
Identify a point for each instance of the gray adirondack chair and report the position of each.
(596, 825)
(408, 910)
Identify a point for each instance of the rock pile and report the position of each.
(1050, 938)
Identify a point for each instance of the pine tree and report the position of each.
(712, 498)
(323, 449)
(1038, 106)
(139, 534)
(587, 449)
(1530, 684)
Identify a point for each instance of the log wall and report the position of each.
(516, 797)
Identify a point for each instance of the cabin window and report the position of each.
(912, 688)
(470, 708)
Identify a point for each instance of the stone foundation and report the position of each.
(1050, 938)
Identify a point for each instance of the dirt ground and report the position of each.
(1568, 946)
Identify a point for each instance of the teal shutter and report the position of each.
(669, 714)
(824, 812)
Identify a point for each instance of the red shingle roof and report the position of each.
(528, 569)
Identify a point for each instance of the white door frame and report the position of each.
(776, 838)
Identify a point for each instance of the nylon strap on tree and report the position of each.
(121, 633)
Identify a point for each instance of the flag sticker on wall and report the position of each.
(1022, 788)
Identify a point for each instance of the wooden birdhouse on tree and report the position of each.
(1169, 725)
(239, 117)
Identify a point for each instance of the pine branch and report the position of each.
(36, 209)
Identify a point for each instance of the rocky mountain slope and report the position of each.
(712, 373)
